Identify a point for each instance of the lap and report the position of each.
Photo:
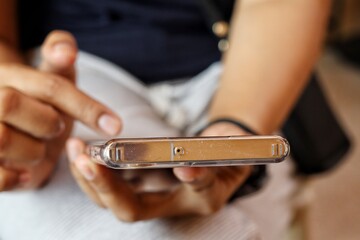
(61, 210)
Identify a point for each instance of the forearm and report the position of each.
(273, 47)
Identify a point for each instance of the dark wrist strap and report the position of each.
(258, 175)
(253, 183)
(232, 121)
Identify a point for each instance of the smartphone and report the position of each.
(126, 153)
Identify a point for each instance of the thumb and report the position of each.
(198, 178)
(59, 52)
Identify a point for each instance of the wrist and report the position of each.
(258, 173)
(227, 126)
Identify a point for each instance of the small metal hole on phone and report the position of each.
(179, 151)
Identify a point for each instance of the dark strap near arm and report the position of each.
(258, 175)
(319, 142)
(253, 183)
(235, 122)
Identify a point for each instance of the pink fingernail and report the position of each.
(61, 128)
(73, 149)
(85, 170)
(61, 47)
(184, 175)
(109, 124)
(24, 178)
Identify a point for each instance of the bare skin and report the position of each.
(273, 47)
(263, 76)
(37, 109)
(201, 191)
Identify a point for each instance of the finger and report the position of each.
(9, 179)
(111, 189)
(74, 148)
(198, 190)
(18, 147)
(28, 115)
(197, 178)
(114, 192)
(59, 52)
(168, 204)
(59, 92)
(182, 202)
(211, 188)
(191, 198)
(129, 206)
(108, 189)
(85, 186)
(234, 173)
(233, 177)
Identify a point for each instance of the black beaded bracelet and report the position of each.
(258, 174)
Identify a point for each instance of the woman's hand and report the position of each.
(201, 191)
(37, 108)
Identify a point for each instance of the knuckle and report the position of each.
(89, 111)
(9, 101)
(5, 139)
(54, 121)
(52, 87)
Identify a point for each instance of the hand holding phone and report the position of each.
(194, 151)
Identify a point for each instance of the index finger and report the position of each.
(59, 92)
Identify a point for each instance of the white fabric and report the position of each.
(61, 210)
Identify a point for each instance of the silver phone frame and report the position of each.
(107, 152)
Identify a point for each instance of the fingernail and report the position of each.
(84, 169)
(61, 128)
(24, 178)
(61, 47)
(184, 174)
(73, 149)
(109, 124)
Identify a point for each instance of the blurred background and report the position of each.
(332, 209)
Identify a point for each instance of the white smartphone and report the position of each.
(125, 153)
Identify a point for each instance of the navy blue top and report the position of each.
(153, 39)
